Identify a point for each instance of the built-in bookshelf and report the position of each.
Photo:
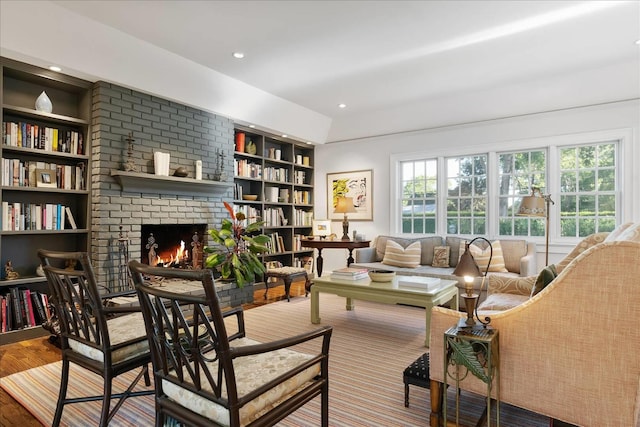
(273, 178)
(43, 190)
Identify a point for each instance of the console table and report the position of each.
(334, 244)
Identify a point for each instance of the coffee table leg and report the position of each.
(315, 305)
(350, 304)
(427, 315)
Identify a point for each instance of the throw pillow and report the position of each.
(545, 277)
(398, 256)
(481, 256)
(631, 233)
(440, 256)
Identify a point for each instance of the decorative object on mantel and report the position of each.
(161, 163)
(181, 172)
(129, 166)
(235, 249)
(43, 103)
(9, 272)
(198, 169)
(218, 174)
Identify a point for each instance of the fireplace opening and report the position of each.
(173, 245)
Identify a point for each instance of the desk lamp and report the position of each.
(344, 205)
(468, 269)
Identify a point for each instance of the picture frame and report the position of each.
(46, 178)
(321, 227)
(356, 184)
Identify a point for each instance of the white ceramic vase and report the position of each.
(43, 103)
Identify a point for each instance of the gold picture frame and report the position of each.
(355, 184)
(46, 178)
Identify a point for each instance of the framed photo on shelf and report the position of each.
(46, 178)
(355, 184)
(321, 227)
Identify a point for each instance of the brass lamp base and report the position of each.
(345, 228)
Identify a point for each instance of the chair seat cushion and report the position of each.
(251, 372)
(121, 330)
(501, 302)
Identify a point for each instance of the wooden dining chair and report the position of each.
(108, 341)
(207, 372)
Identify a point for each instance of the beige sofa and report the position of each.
(572, 351)
(519, 258)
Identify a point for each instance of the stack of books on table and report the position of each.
(350, 273)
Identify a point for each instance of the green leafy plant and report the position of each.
(236, 249)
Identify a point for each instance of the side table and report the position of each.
(473, 350)
(335, 244)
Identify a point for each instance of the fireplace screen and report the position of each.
(178, 245)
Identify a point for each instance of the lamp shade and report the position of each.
(345, 205)
(533, 205)
(467, 266)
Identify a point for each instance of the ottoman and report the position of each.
(416, 374)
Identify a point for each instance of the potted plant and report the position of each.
(236, 249)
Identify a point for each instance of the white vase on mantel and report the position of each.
(43, 103)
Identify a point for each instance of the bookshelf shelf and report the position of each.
(276, 173)
(32, 212)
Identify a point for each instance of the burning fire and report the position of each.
(171, 258)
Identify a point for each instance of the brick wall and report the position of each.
(188, 134)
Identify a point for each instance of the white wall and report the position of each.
(503, 134)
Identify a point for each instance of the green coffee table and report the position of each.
(402, 290)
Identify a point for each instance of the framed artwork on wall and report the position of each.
(355, 184)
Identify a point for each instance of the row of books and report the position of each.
(302, 218)
(276, 244)
(246, 169)
(276, 174)
(31, 173)
(34, 216)
(274, 217)
(302, 197)
(250, 213)
(31, 135)
(300, 177)
(350, 273)
(22, 308)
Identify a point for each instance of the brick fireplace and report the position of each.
(156, 124)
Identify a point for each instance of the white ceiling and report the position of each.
(400, 65)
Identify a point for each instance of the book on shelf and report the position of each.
(70, 219)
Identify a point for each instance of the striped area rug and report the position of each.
(370, 348)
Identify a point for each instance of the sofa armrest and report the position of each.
(528, 263)
(366, 255)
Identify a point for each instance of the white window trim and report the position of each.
(624, 177)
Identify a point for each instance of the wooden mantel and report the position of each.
(137, 182)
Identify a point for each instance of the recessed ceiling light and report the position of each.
(238, 55)
(284, 135)
(342, 105)
(55, 68)
(638, 41)
(252, 126)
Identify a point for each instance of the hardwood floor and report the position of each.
(28, 354)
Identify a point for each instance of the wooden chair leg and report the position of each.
(437, 394)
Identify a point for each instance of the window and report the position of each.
(517, 173)
(587, 189)
(467, 195)
(419, 188)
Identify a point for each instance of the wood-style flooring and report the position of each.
(28, 354)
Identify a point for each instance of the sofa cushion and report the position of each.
(482, 256)
(501, 302)
(545, 277)
(398, 256)
(441, 256)
(454, 253)
(613, 236)
(427, 245)
(512, 251)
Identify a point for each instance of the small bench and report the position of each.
(416, 374)
(288, 275)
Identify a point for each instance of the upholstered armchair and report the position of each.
(572, 351)
(505, 292)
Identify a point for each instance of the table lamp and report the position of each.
(468, 269)
(537, 205)
(344, 205)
